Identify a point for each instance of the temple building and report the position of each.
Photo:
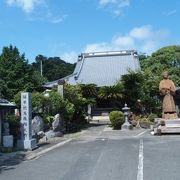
(101, 68)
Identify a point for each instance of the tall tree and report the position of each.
(16, 74)
(166, 58)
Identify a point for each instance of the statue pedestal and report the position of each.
(8, 141)
(126, 126)
(27, 144)
(167, 126)
(30, 144)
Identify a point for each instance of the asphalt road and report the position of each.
(102, 154)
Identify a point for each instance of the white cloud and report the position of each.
(144, 39)
(124, 41)
(115, 6)
(43, 13)
(55, 19)
(141, 33)
(171, 12)
(119, 3)
(26, 5)
(106, 2)
(98, 47)
(70, 57)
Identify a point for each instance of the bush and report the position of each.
(14, 126)
(151, 117)
(144, 122)
(117, 119)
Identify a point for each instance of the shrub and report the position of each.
(151, 117)
(144, 122)
(117, 119)
(14, 126)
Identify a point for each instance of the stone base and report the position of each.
(170, 116)
(30, 144)
(27, 144)
(167, 126)
(127, 126)
(8, 141)
(52, 134)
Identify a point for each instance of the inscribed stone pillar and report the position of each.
(26, 118)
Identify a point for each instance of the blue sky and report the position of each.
(66, 28)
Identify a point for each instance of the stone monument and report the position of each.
(169, 123)
(7, 138)
(26, 118)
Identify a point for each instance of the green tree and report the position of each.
(53, 67)
(166, 58)
(110, 96)
(132, 87)
(16, 74)
(144, 85)
(74, 95)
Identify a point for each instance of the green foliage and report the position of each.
(89, 91)
(117, 119)
(132, 87)
(74, 95)
(111, 92)
(151, 117)
(53, 67)
(166, 58)
(49, 106)
(14, 125)
(58, 105)
(144, 84)
(39, 102)
(16, 74)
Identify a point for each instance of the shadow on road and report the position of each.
(96, 124)
(10, 162)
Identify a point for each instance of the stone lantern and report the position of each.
(126, 124)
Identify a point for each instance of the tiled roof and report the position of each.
(102, 68)
(4, 102)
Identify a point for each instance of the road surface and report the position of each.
(103, 154)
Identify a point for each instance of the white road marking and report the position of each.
(140, 134)
(140, 164)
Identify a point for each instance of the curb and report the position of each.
(32, 155)
(38, 154)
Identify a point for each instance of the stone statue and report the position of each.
(167, 90)
(6, 129)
